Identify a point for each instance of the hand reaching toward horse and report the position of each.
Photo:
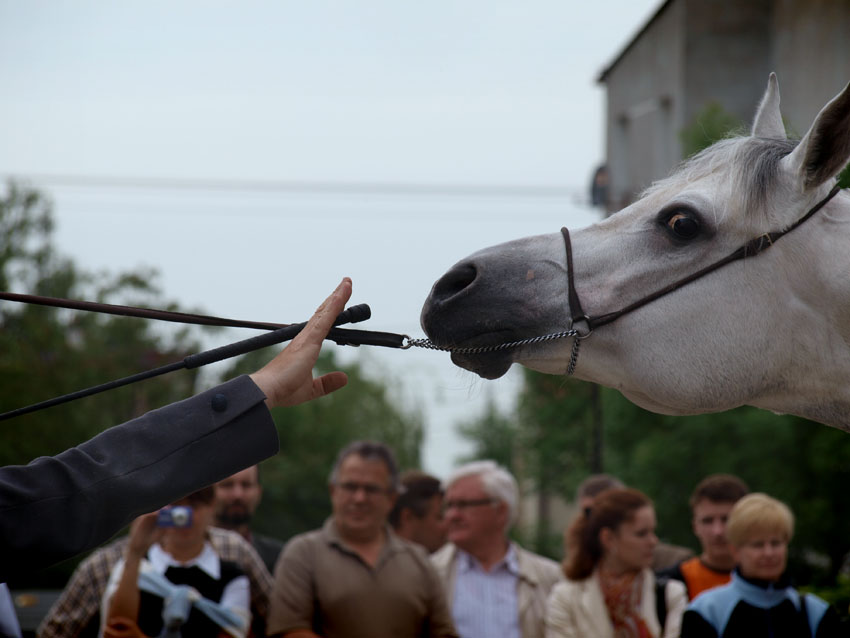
(288, 378)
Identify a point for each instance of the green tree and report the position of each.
(547, 443)
(711, 124)
(714, 123)
(295, 481)
(493, 436)
(46, 352)
(800, 462)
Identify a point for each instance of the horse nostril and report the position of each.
(454, 281)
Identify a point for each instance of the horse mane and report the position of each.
(749, 165)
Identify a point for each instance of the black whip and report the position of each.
(353, 314)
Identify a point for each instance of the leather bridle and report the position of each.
(752, 248)
(283, 332)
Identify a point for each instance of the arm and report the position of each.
(292, 603)
(56, 507)
(559, 618)
(124, 602)
(79, 604)
(677, 600)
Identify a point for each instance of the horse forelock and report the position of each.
(749, 167)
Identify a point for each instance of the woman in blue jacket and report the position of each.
(759, 601)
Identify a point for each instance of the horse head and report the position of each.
(770, 329)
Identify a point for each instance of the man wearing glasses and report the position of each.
(354, 577)
(494, 586)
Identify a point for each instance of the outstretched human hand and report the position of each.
(288, 378)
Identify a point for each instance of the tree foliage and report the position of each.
(493, 436)
(711, 124)
(805, 464)
(714, 123)
(45, 352)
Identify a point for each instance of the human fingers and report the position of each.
(288, 378)
(144, 532)
(323, 319)
(327, 383)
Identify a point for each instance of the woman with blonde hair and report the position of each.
(611, 591)
(759, 601)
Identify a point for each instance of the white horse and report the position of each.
(770, 330)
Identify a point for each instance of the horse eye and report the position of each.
(683, 226)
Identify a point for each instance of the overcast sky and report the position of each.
(441, 94)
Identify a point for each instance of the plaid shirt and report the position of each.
(81, 599)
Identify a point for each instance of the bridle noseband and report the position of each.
(752, 248)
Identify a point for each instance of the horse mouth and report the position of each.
(487, 365)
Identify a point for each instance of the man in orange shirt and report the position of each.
(711, 503)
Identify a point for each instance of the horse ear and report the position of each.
(768, 121)
(825, 149)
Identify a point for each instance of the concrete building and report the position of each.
(692, 53)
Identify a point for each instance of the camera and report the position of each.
(175, 516)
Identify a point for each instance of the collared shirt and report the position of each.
(323, 585)
(485, 602)
(235, 595)
(79, 603)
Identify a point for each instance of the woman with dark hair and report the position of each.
(611, 591)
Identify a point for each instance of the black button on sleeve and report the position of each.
(219, 402)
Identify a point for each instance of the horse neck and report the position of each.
(820, 340)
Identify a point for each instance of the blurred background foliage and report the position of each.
(804, 464)
(46, 352)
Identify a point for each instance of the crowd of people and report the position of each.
(405, 554)
(401, 555)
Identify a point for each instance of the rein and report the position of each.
(284, 332)
(752, 248)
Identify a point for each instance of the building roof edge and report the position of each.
(603, 75)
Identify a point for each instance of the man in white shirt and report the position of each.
(494, 587)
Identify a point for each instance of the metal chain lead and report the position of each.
(430, 345)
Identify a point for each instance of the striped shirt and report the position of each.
(485, 602)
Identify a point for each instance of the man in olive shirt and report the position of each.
(354, 577)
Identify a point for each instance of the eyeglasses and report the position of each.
(463, 504)
(370, 489)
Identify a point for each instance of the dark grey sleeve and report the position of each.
(56, 507)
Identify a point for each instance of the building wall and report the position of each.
(644, 103)
(727, 50)
(695, 52)
(811, 56)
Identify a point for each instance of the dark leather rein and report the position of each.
(283, 332)
(752, 248)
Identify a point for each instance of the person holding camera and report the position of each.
(171, 578)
